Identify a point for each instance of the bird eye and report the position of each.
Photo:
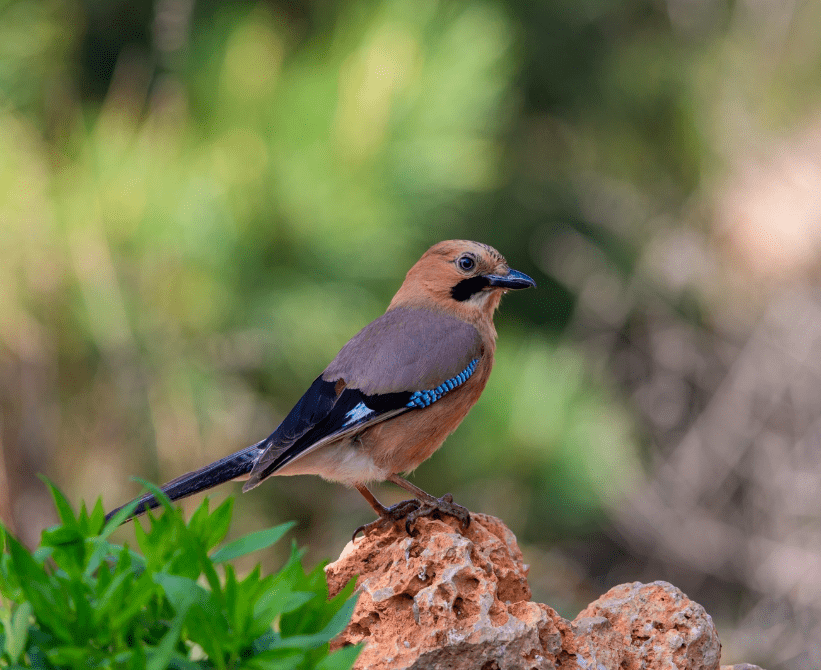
(466, 263)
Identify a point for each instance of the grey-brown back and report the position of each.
(405, 349)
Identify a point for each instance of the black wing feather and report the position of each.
(316, 403)
(319, 415)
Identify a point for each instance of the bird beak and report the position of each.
(512, 280)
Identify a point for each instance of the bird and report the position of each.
(392, 394)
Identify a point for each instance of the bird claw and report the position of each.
(443, 505)
(412, 510)
(393, 514)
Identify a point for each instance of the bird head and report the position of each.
(461, 277)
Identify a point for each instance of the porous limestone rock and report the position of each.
(448, 599)
(444, 599)
(660, 627)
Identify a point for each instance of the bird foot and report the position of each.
(391, 516)
(443, 505)
(412, 510)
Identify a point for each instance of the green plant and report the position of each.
(79, 600)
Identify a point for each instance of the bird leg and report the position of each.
(424, 504)
(430, 504)
(387, 515)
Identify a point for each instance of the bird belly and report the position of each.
(343, 461)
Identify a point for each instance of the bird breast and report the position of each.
(401, 444)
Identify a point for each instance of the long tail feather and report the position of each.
(224, 470)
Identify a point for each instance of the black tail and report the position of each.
(218, 472)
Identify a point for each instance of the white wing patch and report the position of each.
(359, 412)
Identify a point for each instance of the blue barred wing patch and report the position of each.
(422, 399)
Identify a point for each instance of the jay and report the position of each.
(393, 393)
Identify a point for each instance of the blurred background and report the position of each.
(201, 201)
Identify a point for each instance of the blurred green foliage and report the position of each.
(80, 601)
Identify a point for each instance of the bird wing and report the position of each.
(406, 350)
(376, 376)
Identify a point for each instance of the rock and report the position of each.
(660, 627)
(590, 642)
(443, 599)
(447, 599)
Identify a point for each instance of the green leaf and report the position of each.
(111, 599)
(139, 597)
(276, 659)
(341, 659)
(92, 523)
(136, 655)
(73, 656)
(160, 656)
(337, 612)
(252, 542)
(207, 627)
(181, 591)
(334, 627)
(61, 536)
(42, 554)
(61, 503)
(116, 521)
(69, 548)
(280, 600)
(45, 596)
(17, 631)
(211, 528)
(100, 551)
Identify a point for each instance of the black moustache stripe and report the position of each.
(468, 287)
